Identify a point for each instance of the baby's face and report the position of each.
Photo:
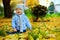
(18, 11)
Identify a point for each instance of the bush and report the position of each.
(39, 11)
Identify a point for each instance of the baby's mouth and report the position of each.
(18, 12)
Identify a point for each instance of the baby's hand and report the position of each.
(14, 30)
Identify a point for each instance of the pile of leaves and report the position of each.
(3, 30)
(40, 33)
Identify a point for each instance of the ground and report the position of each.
(50, 24)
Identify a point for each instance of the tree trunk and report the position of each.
(7, 9)
(35, 19)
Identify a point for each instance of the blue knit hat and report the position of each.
(20, 6)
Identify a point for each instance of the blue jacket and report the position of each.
(25, 22)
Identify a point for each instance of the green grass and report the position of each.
(55, 15)
(28, 13)
(2, 15)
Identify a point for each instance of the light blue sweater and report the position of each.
(25, 22)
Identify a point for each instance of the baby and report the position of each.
(20, 21)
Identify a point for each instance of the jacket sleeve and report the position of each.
(13, 22)
(28, 23)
